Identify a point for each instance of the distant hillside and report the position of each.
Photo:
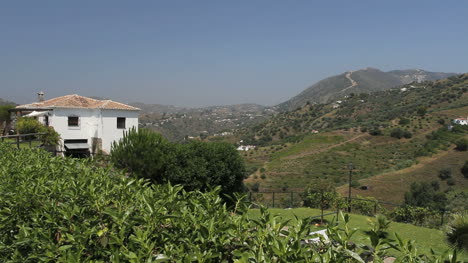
(319, 140)
(6, 102)
(359, 81)
(158, 108)
(176, 123)
(418, 75)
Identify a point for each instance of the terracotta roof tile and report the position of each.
(76, 101)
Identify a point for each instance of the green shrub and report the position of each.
(365, 205)
(400, 133)
(321, 194)
(196, 165)
(375, 131)
(414, 215)
(27, 125)
(457, 232)
(404, 121)
(143, 154)
(255, 187)
(445, 173)
(464, 170)
(451, 182)
(462, 144)
(421, 111)
(425, 194)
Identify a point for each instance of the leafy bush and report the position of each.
(464, 170)
(27, 125)
(196, 165)
(400, 133)
(414, 215)
(375, 131)
(50, 136)
(321, 194)
(462, 144)
(365, 205)
(445, 173)
(457, 232)
(451, 182)
(404, 121)
(425, 194)
(255, 187)
(421, 111)
(144, 154)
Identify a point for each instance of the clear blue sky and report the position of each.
(197, 53)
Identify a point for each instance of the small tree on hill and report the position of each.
(400, 133)
(462, 144)
(375, 131)
(425, 194)
(321, 194)
(421, 111)
(464, 170)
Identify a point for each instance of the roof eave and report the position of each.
(29, 109)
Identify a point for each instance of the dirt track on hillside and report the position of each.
(353, 82)
(292, 157)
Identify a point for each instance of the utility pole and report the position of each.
(350, 168)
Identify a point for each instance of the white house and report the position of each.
(460, 121)
(84, 124)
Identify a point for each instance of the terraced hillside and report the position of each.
(397, 133)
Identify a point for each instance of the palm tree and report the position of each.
(457, 234)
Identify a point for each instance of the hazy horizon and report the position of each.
(204, 53)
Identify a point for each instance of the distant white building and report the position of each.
(246, 147)
(460, 121)
(84, 124)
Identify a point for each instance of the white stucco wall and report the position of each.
(109, 125)
(98, 123)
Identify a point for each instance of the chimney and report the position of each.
(40, 96)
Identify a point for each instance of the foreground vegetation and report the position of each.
(425, 238)
(67, 210)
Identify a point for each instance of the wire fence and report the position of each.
(367, 207)
(292, 199)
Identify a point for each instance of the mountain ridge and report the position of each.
(358, 81)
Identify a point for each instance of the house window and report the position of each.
(73, 121)
(120, 123)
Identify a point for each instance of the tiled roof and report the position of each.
(78, 102)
